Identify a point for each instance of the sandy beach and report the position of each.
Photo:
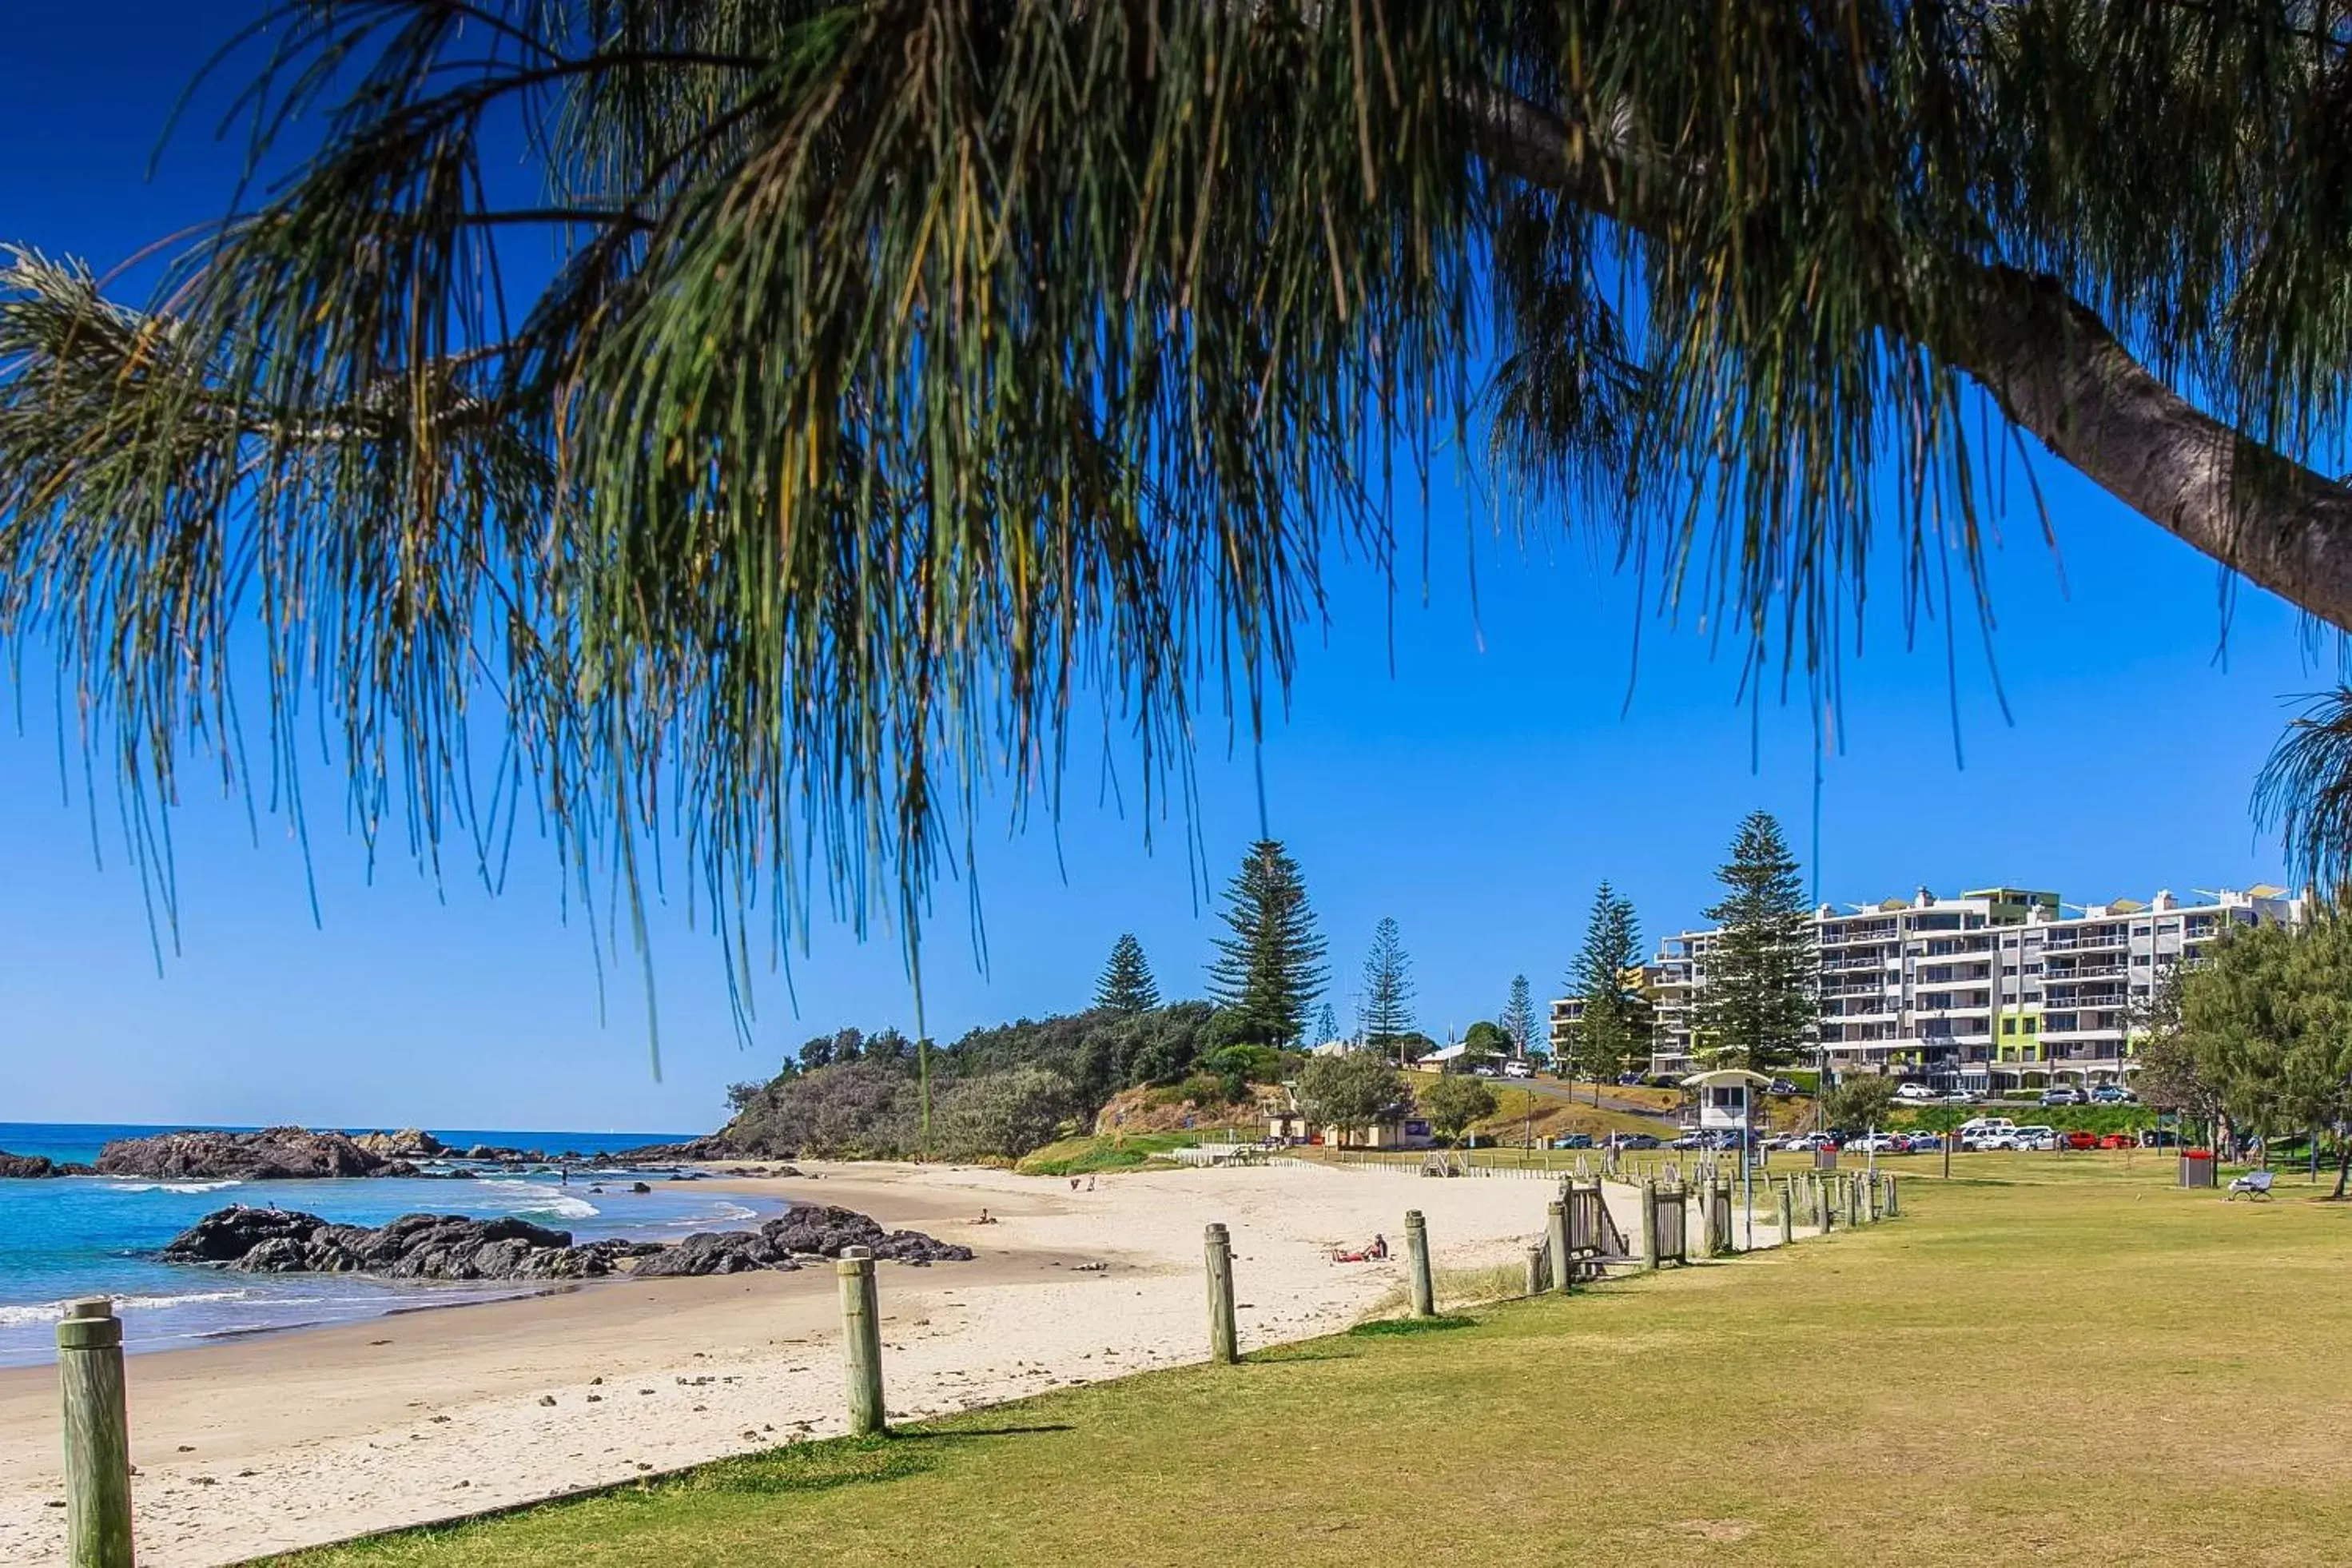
(261, 1445)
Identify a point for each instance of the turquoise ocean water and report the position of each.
(79, 1236)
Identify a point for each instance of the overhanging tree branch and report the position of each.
(2053, 366)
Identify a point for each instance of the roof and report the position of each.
(1722, 1076)
(1443, 1054)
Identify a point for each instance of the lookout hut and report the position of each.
(1727, 1099)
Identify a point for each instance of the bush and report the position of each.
(851, 1111)
(1003, 1115)
(1454, 1102)
(1350, 1092)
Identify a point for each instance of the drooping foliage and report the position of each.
(917, 377)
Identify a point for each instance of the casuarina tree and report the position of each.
(1757, 1008)
(773, 421)
(1269, 969)
(1127, 985)
(1385, 1014)
(1614, 1027)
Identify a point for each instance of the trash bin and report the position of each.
(1826, 1160)
(2196, 1167)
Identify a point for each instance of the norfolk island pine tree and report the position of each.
(1269, 968)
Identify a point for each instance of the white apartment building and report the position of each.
(2002, 987)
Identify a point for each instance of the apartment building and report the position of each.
(2003, 987)
(1567, 1012)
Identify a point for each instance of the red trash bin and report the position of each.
(2196, 1167)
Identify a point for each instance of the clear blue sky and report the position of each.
(1473, 775)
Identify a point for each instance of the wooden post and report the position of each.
(1416, 1247)
(861, 1338)
(1854, 1208)
(1788, 1195)
(1535, 1275)
(1224, 1343)
(1824, 1208)
(1649, 1224)
(1563, 1263)
(98, 1436)
(1893, 1207)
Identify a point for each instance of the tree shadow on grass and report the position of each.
(953, 1433)
(1385, 1327)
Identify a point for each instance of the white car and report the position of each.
(1915, 1094)
(1518, 1069)
(2043, 1139)
(1876, 1143)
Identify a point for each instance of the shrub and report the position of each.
(1003, 1115)
(850, 1111)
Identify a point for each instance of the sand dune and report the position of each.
(273, 1443)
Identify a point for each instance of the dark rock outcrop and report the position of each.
(694, 1150)
(33, 1166)
(824, 1229)
(278, 1154)
(715, 1252)
(413, 1246)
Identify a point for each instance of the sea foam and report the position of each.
(172, 1186)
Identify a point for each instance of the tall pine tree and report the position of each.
(1327, 1025)
(1127, 985)
(1270, 970)
(1519, 1017)
(1758, 1007)
(1388, 989)
(1615, 1027)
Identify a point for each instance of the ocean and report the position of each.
(81, 1236)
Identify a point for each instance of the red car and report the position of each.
(2118, 1140)
(2078, 1140)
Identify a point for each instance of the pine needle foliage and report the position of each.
(1614, 1027)
(1127, 985)
(917, 379)
(1270, 970)
(1385, 1014)
(1757, 1008)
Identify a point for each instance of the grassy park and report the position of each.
(2045, 1359)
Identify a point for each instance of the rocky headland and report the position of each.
(454, 1247)
(297, 1154)
(32, 1166)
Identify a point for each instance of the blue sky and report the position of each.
(1471, 769)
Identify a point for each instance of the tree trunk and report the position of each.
(2052, 365)
(2342, 1167)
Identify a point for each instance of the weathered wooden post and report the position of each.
(1854, 1208)
(1563, 1262)
(1416, 1247)
(861, 1338)
(1787, 1192)
(1892, 1206)
(98, 1436)
(1224, 1344)
(1649, 1223)
(1537, 1277)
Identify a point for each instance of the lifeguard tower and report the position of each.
(1726, 1101)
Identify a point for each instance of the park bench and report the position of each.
(2254, 1184)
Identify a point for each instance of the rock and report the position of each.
(824, 1229)
(413, 1246)
(694, 1150)
(639, 1187)
(715, 1252)
(29, 1167)
(278, 1154)
(409, 1143)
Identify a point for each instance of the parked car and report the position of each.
(1636, 1141)
(1573, 1141)
(1691, 1140)
(1914, 1094)
(2117, 1140)
(1958, 1096)
(2043, 1140)
(1628, 1079)
(1782, 1086)
(2078, 1140)
(2112, 1094)
(1806, 1142)
(1876, 1143)
(2061, 1095)
(1923, 1144)
(1518, 1069)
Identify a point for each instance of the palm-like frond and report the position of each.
(2304, 792)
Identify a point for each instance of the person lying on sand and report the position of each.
(1376, 1251)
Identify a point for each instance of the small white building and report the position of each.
(1725, 1100)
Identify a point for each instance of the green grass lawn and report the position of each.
(2045, 1360)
